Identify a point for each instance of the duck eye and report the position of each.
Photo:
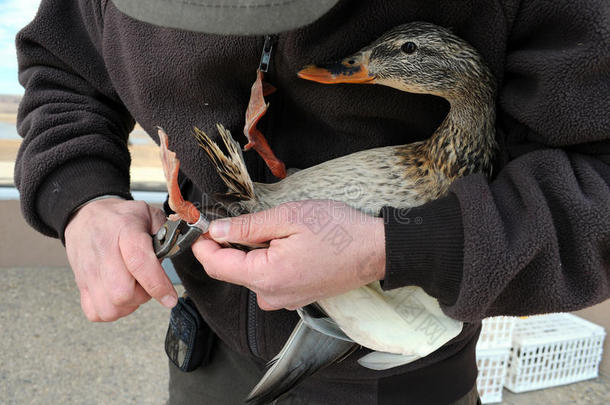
(408, 47)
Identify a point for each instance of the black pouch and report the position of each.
(189, 339)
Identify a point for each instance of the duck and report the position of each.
(416, 57)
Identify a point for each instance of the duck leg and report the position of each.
(257, 107)
(183, 209)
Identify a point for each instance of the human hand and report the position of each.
(110, 251)
(317, 249)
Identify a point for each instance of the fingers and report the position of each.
(86, 304)
(250, 269)
(108, 291)
(224, 264)
(264, 305)
(236, 267)
(275, 223)
(119, 286)
(99, 309)
(142, 264)
(110, 251)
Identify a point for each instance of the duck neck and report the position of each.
(465, 143)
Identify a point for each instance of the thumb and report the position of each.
(253, 228)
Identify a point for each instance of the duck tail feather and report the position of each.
(305, 352)
(231, 168)
(316, 319)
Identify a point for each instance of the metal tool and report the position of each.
(177, 236)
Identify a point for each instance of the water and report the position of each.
(8, 131)
(139, 137)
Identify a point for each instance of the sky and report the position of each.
(14, 15)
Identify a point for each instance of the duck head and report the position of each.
(417, 57)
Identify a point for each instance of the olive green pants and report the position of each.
(230, 376)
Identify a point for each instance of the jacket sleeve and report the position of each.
(73, 124)
(536, 239)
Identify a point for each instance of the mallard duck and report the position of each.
(417, 57)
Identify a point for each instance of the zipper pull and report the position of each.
(266, 56)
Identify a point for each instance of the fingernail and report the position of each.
(219, 229)
(169, 301)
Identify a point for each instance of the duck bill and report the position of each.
(349, 70)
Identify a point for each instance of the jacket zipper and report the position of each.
(267, 51)
(252, 341)
(252, 304)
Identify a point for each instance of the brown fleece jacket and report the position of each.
(536, 238)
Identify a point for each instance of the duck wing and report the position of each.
(405, 322)
(315, 317)
(305, 352)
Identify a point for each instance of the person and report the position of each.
(534, 238)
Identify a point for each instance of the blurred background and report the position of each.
(50, 353)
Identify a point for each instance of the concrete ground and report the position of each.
(50, 353)
(591, 392)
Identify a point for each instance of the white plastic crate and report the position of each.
(492, 372)
(551, 350)
(497, 332)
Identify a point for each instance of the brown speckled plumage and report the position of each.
(406, 175)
